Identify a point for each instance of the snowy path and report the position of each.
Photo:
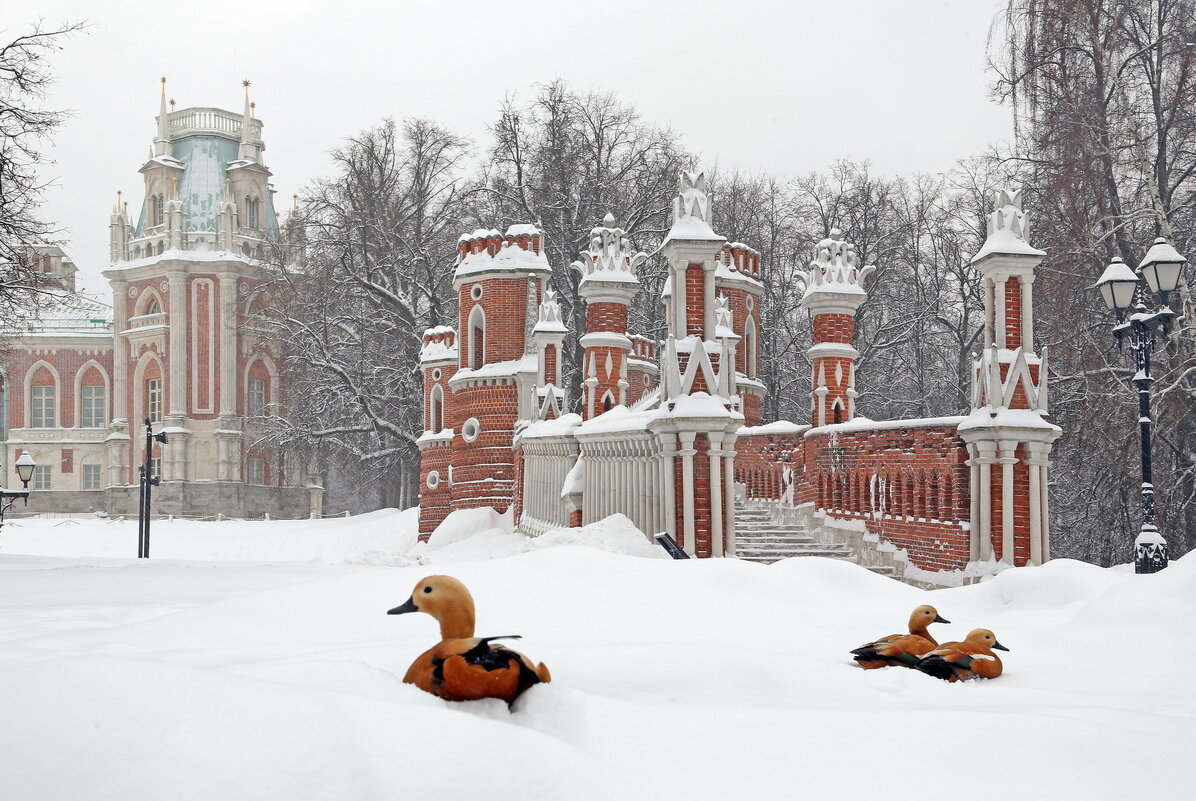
(672, 680)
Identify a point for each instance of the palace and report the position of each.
(178, 344)
(670, 433)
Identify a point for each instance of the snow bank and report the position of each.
(697, 679)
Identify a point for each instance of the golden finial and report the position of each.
(125, 207)
(253, 105)
(172, 104)
(163, 84)
(174, 191)
(245, 83)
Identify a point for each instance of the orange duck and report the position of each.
(463, 667)
(901, 649)
(956, 661)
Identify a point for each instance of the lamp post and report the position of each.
(1123, 288)
(147, 481)
(24, 466)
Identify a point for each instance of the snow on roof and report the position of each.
(620, 418)
(729, 273)
(509, 258)
(834, 269)
(437, 351)
(438, 330)
(529, 363)
(556, 427)
(1001, 417)
(575, 479)
(701, 404)
(1008, 228)
(182, 255)
(73, 313)
(443, 435)
(691, 210)
(768, 429)
(523, 229)
(864, 424)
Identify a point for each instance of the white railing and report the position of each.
(625, 475)
(546, 461)
(204, 120)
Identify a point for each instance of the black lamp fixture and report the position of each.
(24, 466)
(1123, 289)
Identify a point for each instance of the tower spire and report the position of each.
(162, 141)
(247, 151)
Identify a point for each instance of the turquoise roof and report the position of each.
(201, 186)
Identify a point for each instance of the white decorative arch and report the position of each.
(29, 374)
(838, 406)
(749, 336)
(607, 403)
(436, 409)
(140, 402)
(145, 299)
(78, 406)
(476, 350)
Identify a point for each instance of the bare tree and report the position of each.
(25, 127)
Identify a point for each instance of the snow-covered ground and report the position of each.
(256, 661)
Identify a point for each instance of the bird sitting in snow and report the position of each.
(901, 649)
(463, 667)
(956, 661)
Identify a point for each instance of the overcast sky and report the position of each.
(787, 86)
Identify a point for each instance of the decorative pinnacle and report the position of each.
(835, 262)
(163, 85)
(1009, 214)
(171, 104)
(246, 84)
(295, 202)
(610, 256)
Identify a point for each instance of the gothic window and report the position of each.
(154, 307)
(837, 409)
(158, 209)
(256, 397)
(45, 406)
(252, 211)
(477, 338)
(608, 402)
(91, 406)
(153, 399)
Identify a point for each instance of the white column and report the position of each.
(999, 322)
(990, 335)
(986, 505)
(974, 499)
(1044, 509)
(687, 454)
(668, 481)
(715, 453)
(1028, 312)
(1008, 460)
(1035, 512)
(228, 344)
(178, 343)
(120, 351)
(729, 500)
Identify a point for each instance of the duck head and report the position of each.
(986, 638)
(923, 616)
(447, 600)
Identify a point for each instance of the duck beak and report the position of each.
(405, 608)
(940, 619)
(999, 647)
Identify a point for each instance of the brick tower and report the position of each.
(834, 291)
(1008, 426)
(608, 283)
(438, 360)
(697, 423)
(737, 278)
(500, 281)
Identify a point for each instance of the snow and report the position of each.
(691, 228)
(184, 677)
(1002, 417)
(776, 427)
(556, 427)
(1004, 240)
(864, 424)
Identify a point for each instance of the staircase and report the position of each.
(759, 539)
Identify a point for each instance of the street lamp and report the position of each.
(1121, 288)
(24, 466)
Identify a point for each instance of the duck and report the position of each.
(901, 649)
(957, 661)
(462, 667)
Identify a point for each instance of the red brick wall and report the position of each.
(1013, 313)
(695, 296)
(909, 486)
(504, 302)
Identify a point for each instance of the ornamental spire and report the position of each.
(162, 141)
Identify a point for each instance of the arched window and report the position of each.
(837, 410)
(43, 399)
(436, 410)
(477, 337)
(93, 399)
(154, 307)
(251, 212)
(608, 402)
(258, 387)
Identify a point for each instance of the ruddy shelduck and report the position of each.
(462, 667)
(901, 649)
(956, 661)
